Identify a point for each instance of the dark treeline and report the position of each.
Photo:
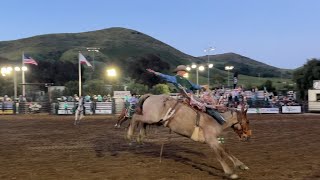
(57, 72)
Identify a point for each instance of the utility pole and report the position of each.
(93, 49)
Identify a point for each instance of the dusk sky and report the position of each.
(281, 33)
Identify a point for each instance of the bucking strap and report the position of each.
(197, 119)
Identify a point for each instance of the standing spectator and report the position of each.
(76, 97)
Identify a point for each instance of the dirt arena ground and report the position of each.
(51, 147)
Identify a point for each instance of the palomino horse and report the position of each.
(79, 113)
(184, 120)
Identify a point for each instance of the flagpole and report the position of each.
(79, 75)
(23, 78)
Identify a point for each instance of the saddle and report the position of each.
(197, 103)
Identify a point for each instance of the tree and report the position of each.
(305, 75)
(6, 86)
(138, 88)
(95, 87)
(138, 66)
(268, 86)
(160, 89)
(56, 93)
(57, 72)
(72, 87)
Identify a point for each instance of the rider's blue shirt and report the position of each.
(173, 80)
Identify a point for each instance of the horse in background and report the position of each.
(198, 126)
(125, 114)
(122, 118)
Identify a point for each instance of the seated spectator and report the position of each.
(99, 98)
(105, 98)
(87, 98)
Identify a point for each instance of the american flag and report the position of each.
(29, 60)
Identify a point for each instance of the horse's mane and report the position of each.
(140, 103)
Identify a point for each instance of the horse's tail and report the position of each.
(140, 103)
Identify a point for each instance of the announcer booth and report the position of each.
(314, 97)
(119, 100)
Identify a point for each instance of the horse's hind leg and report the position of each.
(123, 120)
(118, 124)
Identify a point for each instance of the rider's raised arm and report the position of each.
(168, 78)
(195, 86)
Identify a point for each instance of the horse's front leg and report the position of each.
(133, 123)
(236, 162)
(221, 156)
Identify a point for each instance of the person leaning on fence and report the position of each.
(178, 79)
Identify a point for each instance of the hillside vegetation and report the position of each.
(122, 48)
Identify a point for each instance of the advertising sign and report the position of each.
(269, 110)
(263, 110)
(291, 109)
(253, 110)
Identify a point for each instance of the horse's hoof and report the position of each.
(243, 167)
(234, 176)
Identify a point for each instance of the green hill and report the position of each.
(118, 46)
(246, 66)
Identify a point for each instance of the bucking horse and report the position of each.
(186, 121)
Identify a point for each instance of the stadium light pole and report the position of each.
(93, 49)
(6, 71)
(208, 63)
(16, 69)
(112, 73)
(228, 68)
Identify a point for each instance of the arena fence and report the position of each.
(112, 107)
(32, 107)
(65, 108)
(7, 108)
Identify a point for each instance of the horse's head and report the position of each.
(241, 127)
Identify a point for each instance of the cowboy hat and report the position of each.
(180, 68)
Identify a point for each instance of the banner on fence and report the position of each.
(291, 109)
(263, 110)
